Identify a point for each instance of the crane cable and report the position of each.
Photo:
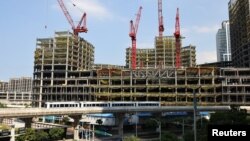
(46, 14)
(81, 10)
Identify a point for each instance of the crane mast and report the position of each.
(160, 18)
(177, 35)
(81, 27)
(132, 34)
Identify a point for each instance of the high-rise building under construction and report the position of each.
(145, 58)
(163, 55)
(55, 58)
(188, 56)
(165, 51)
(240, 32)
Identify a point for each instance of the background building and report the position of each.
(55, 58)
(239, 12)
(16, 91)
(3, 86)
(3, 90)
(223, 44)
(188, 56)
(19, 90)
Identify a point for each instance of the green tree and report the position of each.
(30, 135)
(99, 121)
(168, 136)
(42, 136)
(2, 105)
(66, 120)
(56, 133)
(20, 138)
(189, 135)
(150, 124)
(234, 116)
(131, 138)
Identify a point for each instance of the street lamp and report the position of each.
(159, 124)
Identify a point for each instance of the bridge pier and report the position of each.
(12, 134)
(119, 121)
(76, 126)
(27, 121)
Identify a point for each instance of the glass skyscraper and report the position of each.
(223, 45)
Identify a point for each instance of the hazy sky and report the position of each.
(22, 21)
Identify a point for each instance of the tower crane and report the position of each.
(132, 34)
(160, 18)
(177, 35)
(81, 27)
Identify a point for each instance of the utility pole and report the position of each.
(183, 128)
(159, 126)
(136, 124)
(195, 110)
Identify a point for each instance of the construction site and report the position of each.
(64, 70)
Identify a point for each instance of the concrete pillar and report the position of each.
(76, 126)
(12, 134)
(76, 133)
(119, 121)
(27, 121)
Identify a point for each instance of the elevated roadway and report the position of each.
(33, 112)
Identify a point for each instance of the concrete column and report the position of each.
(12, 134)
(119, 121)
(27, 121)
(76, 126)
(76, 133)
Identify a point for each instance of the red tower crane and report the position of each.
(177, 35)
(81, 27)
(132, 34)
(160, 18)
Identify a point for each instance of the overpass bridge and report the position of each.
(36, 112)
(26, 114)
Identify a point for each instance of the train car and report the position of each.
(71, 104)
(75, 104)
(94, 104)
(148, 104)
(123, 104)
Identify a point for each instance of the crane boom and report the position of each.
(66, 13)
(160, 18)
(80, 28)
(132, 34)
(177, 35)
(138, 20)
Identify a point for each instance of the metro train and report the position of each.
(75, 104)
